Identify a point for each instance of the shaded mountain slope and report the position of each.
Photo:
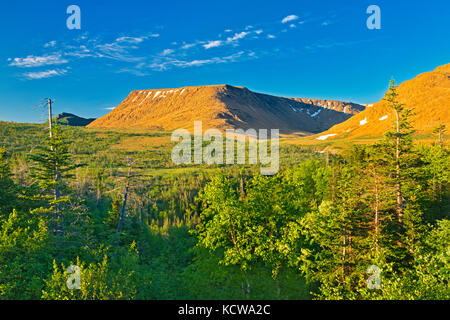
(70, 119)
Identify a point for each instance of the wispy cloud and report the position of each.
(115, 51)
(134, 56)
(166, 63)
(322, 44)
(37, 61)
(167, 52)
(50, 44)
(137, 40)
(130, 39)
(291, 17)
(44, 74)
(188, 45)
(213, 44)
(237, 36)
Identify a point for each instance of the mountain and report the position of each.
(341, 106)
(69, 119)
(428, 95)
(218, 106)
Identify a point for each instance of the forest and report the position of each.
(368, 222)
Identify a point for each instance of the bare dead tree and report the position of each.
(130, 164)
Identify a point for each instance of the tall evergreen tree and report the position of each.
(400, 142)
(52, 168)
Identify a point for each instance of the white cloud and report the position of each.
(228, 30)
(213, 44)
(237, 36)
(167, 52)
(259, 31)
(292, 25)
(130, 39)
(271, 36)
(44, 74)
(188, 45)
(165, 64)
(79, 51)
(134, 71)
(136, 40)
(37, 61)
(114, 51)
(50, 44)
(291, 17)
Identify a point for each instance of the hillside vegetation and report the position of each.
(370, 221)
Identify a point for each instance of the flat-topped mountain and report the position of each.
(428, 95)
(219, 106)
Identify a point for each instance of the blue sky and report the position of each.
(315, 49)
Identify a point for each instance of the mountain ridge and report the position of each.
(218, 106)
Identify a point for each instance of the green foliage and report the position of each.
(24, 254)
(52, 167)
(202, 232)
(258, 225)
(207, 278)
(8, 191)
(104, 280)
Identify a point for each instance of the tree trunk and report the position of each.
(397, 173)
(377, 209)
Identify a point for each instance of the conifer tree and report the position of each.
(440, 131)
(400, 142)
(52, 168)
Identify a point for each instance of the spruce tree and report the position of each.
(399, 140)
(52, 167)
(440, 131)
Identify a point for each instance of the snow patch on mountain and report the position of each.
(325, 137)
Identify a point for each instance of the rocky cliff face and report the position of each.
(340, 106)
(219, 106)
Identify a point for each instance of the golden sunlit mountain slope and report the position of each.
(428, 95)
(218, 106)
